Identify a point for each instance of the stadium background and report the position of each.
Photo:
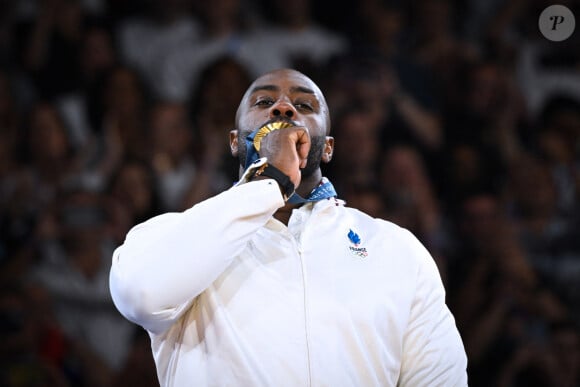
(455, 119)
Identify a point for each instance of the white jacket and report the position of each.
(232, 297)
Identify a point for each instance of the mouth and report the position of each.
(278, 123)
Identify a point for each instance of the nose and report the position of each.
(282, 109)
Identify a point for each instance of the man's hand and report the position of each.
(287, 149)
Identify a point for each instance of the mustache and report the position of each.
(280, 119)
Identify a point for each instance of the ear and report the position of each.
(328, 149)
(234, 142)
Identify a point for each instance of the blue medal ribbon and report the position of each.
(325, 190)
(251, 154)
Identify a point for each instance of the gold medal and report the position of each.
(264, 130)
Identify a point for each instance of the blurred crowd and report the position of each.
(455, 119)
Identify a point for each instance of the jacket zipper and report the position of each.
(305, 303)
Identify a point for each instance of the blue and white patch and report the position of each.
(355, 247)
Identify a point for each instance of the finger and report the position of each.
(302, 161)
(303, 144)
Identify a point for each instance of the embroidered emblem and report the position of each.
(355, 240)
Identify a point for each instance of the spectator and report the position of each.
(117, 110)
(556, 141)
(259, 38)
(486, 128)
(74, 270)
(371, 83)
(499, 301)
(172, 153)
(468, 170)
(53, 42)
(97, 55)
(145, 39)
(225, 31)
(48, 161)
(32, 348)
(564, 344)
(294, 37)
(544, 71)
(355, 169)
(547, 234)
(436, 41)
(410, 199)
(212, 107)
(531, 365)
(407, 84)
(132, 195)
(554, 362)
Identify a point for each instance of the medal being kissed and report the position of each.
(264, 130)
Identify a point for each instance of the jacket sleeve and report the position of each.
(433, 352)
(167, 261)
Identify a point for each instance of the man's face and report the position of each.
(285, 95)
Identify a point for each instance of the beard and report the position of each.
(314, 158)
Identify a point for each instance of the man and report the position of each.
(259, 287)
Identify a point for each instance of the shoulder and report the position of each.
(382, 227)
(398, 243)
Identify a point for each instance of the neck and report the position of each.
(307, 184)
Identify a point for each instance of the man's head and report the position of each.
(285, 95)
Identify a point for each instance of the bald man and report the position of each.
(276, 282)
